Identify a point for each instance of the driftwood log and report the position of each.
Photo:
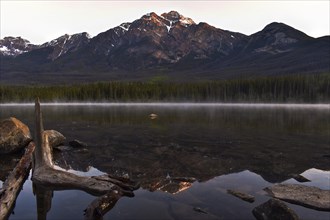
(47, 178)
(14, 182)
(46, 175)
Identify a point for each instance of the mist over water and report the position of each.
(171, 104)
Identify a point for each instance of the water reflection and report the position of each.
(221, 147)
(321, 178)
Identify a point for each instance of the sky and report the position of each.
(41, 21)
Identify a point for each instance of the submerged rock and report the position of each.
(241, 195)
(198, 209)
(300, 178)
(77, 144)
(308, 196)
(274, 209)
(14, 136)
(62, 148)
(55, 138)
(153, 116)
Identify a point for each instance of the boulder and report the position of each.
(14, 136)
(307, 196)
(274, 209)
(55, 138)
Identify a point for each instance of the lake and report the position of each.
(224, 146)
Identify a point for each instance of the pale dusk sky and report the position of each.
(41, 21)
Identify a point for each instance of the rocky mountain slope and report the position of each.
(168, 44)
(14, 46)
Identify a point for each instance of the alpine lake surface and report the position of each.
(241, 147)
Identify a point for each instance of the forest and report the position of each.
(279, 89)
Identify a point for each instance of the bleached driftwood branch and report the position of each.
(46, 176)
(14, 182)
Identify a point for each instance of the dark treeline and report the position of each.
(311, 89)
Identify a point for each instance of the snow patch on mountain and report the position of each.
(125, 26)
(66, 43)
(4, 49)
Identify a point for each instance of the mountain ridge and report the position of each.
(174, 45)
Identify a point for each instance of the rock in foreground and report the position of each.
(14, 136)
(308, 196)
(55, 138)
(274, 209)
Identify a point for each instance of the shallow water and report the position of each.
(243, 147)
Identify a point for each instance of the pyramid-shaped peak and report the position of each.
(172, 15)
(176, 16)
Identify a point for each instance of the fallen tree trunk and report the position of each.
(45, 174)
(14, 182)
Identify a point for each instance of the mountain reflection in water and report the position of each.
(188, 157)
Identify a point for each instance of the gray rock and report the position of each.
(77, 144)
(274, 209)
(241, 195)
(14, 136)
(308, 196)
(55, 138)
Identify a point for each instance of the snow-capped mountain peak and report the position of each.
(169, 40)
(174, 17)
(168, 20)
(66, 43)
(14, 46)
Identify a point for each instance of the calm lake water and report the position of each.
(241, 147)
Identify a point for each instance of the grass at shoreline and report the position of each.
(284, 89)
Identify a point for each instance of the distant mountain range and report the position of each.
(168, 46)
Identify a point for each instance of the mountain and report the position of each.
(278, 49)
(275, 38)
(168, 45)
(66, 43)
(14, 46)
